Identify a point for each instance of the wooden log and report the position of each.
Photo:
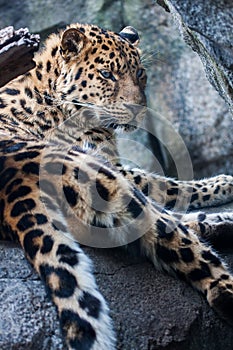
(16, 52)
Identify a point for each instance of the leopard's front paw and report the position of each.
(225, 184)
(220, 298)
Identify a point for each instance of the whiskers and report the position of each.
(106, 118)
(150, 57)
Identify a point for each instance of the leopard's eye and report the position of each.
(107, 74)
(140, 72)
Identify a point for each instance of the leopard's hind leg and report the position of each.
(178, 249)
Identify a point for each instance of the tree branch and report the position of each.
(16, 53)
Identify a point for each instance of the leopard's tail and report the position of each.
(67, 273)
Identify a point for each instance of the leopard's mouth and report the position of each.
(124, 119)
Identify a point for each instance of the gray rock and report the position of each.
(150, 310)
(207, 28)
(200, 116)
(28, 319)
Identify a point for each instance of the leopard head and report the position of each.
(102, 69)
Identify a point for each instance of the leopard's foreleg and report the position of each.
(181, 195)
(215, 228)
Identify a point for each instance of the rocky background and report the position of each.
(187, 116)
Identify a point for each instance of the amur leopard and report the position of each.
(62, 185)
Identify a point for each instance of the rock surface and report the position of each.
(211, 39)
(202, 119)
(150, 310)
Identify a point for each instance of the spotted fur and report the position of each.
(61, 183)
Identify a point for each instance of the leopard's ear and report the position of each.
(72, 43)
(130, 34)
